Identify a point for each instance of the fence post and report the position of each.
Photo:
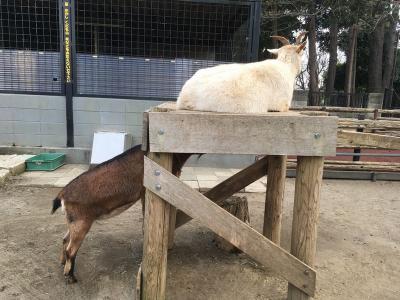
(66, 15)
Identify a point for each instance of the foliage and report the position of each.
(290, 17)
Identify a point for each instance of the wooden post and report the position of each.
(274, 198)
(156, 233)
(171, 230)
(305, 214)
(238, 207)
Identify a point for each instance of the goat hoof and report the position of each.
(70, 279)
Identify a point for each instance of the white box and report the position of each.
(107, 145)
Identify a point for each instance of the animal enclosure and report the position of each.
(127, 49)
(170, 203)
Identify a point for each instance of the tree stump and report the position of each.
(237, 206)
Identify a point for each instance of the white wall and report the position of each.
(108, 114)
(32, 120)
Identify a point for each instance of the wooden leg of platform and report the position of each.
(305, 214)
(156, 233)
(274, 198)
(171, 231)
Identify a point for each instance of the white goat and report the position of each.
(256, 87)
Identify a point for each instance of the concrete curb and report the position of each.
(15, 164)
(72, 155)
(4, 174)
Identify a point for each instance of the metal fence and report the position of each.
(342, 99)
(150, 48)
(30, 59)
(133, 49)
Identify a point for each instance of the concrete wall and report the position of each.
(375, 100)
(32, 120)
(300, 98)
(108, 114)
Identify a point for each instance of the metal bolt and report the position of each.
(158, 186)
(157, 172)
(160, 131)
(317, 135)
(306, 272)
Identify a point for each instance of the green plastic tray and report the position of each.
(45, 162)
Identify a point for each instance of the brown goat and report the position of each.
(102, 192)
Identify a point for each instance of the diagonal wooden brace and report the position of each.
(238, 233)
(230, 186)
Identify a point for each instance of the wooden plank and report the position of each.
(368, 124)
(155, 244)
(199, 132)
(334, 109)
(230, 186)
(389, 118)
(360, 139)
(274, 198)
(305, 215)
(172, 226)
(356, 163)
(346, 109)
(229, 227)
(356, 166)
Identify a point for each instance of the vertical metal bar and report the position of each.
(73, 48)
(256, 29)
(61, 35)
(68, 71)
(250, 31)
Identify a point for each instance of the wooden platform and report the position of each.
(290, 133)
(170, 203)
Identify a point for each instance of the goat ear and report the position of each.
(301, 47)
(273, 51)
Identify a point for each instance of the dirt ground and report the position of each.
(358, 252)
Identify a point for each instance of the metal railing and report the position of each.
(341, 99)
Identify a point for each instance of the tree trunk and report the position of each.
(350, 65)
(375, 58)
(353, 79)
(237, 206)
(312, 61)
(333, 41)
(389, 49)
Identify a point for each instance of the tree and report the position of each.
(375, 58)
(389, 47)
(313, 96)
(333, 45)
(379, 15)
(349, 81)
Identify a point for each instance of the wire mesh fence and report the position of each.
(120, 48)
(150, 48)
(30, 58)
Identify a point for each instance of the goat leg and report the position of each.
(78, 230)
(63, 257)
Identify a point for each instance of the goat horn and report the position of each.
(299, 38)
(283, 40)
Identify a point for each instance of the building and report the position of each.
(70, 68)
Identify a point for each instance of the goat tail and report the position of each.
(56, 205)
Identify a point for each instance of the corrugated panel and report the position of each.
(30, 71)
(134, 77)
